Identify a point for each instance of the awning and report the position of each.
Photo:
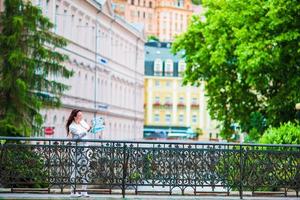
(166, 132)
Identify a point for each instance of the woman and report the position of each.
(78, 129)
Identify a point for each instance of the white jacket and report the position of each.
(79, 131)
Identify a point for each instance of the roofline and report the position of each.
(115, 18)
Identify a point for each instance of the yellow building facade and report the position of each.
(171, 109)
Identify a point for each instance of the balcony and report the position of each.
(194, 105)
(181, 105)
(156, 105)
(168, 105)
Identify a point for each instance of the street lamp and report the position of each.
(297, 106)
(96, 58)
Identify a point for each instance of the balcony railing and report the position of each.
(133, 165)
(181, 105)
(156, 104)
(195, 105)
(168, 105)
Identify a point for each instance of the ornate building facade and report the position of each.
(107, 57)
(173, 111)
(161, 18)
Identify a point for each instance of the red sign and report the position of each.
(49, 130)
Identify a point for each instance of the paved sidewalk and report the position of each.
(134, 197)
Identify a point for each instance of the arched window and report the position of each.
(181, 66)
(168, 67)
(158, 67)
(54, 119)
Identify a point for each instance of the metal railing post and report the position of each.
(76, 165)
(49, 165)
(241, 173)
(124, 171)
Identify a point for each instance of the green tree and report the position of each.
(152, 37)
(28, 57)
(256, 127)
(197, 2)
(247, 53)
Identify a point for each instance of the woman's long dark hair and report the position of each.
(71, 119)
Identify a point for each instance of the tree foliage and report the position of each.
(247, 53)
(29, 64)
(152, 38)
(197, 2)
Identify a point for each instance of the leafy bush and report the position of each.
(22, 167)
(263, 168)
(287, 133)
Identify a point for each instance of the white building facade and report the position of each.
(107, 57)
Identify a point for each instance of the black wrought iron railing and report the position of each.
(164, 166)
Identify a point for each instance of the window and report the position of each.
(64, 22)
(194, 118)
(164, 25)
(181, 66)
(78, 29)
(194, 100)
(144, 15)
(168, 100)
(156, 99)
(55, 19)
(54, 119)
(47, 7)
(181, 100)
(156, 117)
(180, 3)
(132, 2)
(157, 83)
(168, 118)
(72, 24)
(169, 67)
(168, 83)
(132, 13)
(181, 118)
(157, 67)
(150, 4)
